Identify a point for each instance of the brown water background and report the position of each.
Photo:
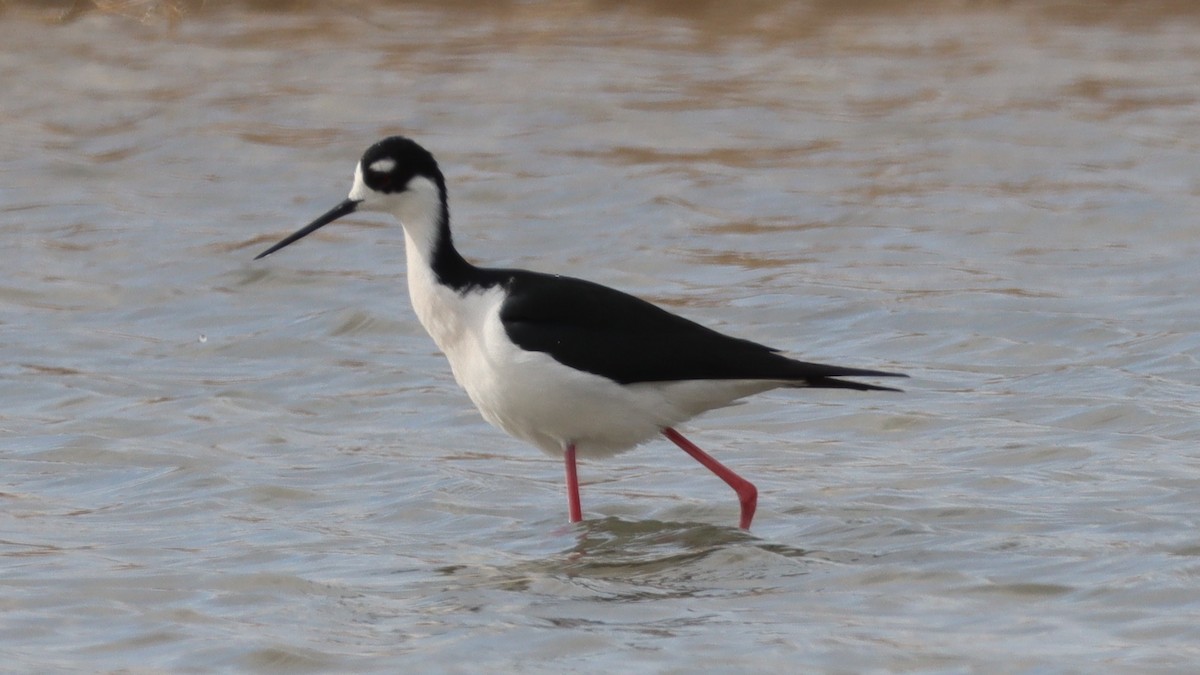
(212, 464)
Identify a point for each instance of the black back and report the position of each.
(605, 332)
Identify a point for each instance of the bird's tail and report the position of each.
(821, 376)
(832, 383)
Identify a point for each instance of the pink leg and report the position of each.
(574, 512)
(746, 492)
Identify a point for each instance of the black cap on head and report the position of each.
(390, 164)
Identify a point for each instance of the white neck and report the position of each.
(418, 208)
(429, 253)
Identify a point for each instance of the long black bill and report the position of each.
(345, 208)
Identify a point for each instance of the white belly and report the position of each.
(535, 398)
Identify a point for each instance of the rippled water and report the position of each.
(217, 464)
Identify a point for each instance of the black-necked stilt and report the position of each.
(571, 366)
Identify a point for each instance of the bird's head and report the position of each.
(397, 176)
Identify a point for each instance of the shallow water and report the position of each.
(217, 464)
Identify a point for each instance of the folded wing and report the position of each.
(603, 331)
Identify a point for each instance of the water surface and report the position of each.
(211, 463)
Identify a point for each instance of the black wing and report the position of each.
(603, 331)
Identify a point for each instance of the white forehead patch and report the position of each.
(384, 165)
(358, 191)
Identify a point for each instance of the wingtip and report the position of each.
(836, 383)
